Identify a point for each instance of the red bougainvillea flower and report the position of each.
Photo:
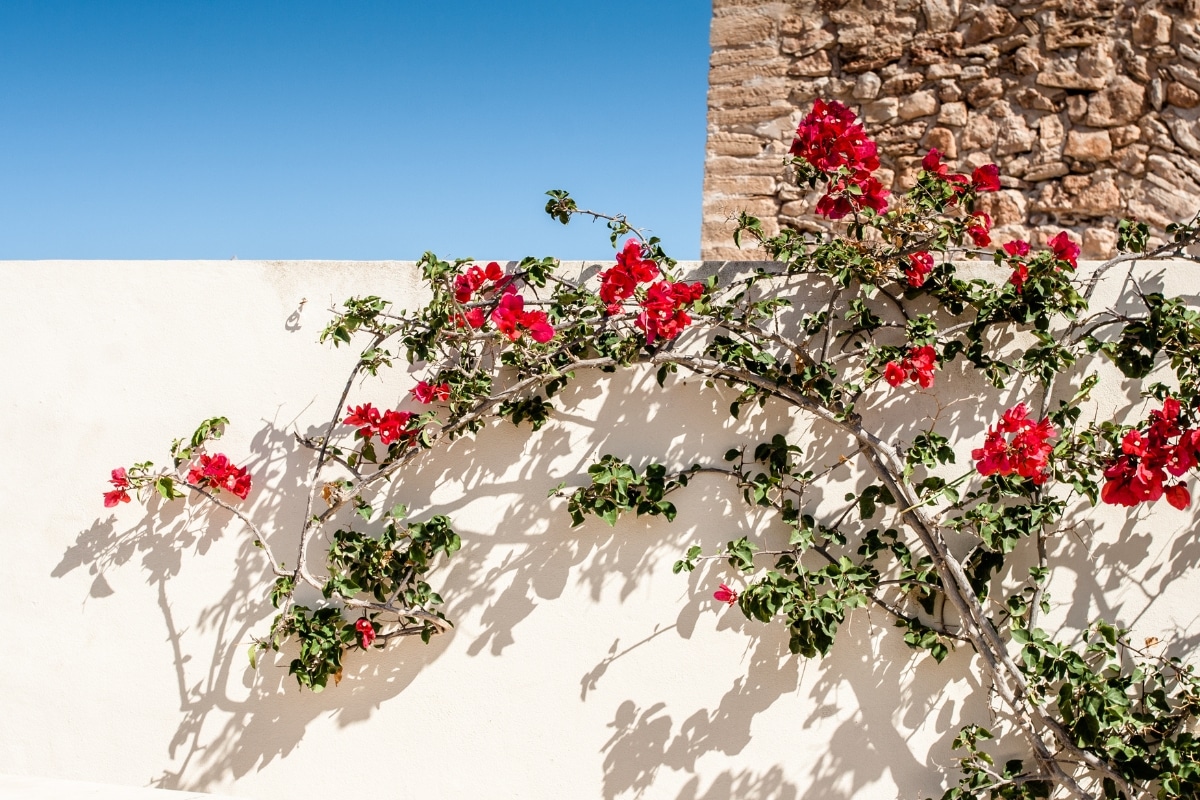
(364, 417)
(425, 392)
(1017, 247)
(389, 426)
(663, 313)
(513, 320)
(725, 595)
(831, 141)
(829, 138)
(120, 493)
(932, 163)
(1027, 454)
(919, 266)
(983, 179)
(471, 281)
(852, 193)
(979, 226)
(1148, 457)
(394, 426)
(217, 472)
(618, 283)
(474, 318)
(1020, 274)
(366, 632)
(918, 365)
(986, 178)
(1064, 249)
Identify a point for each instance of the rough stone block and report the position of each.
(728, 74)
(1013, 135)
(1126, 134)
(1044, 172)
(1064, 77)
(1182, 96)
(940, 71)
(985, 92)
(1152, 28)
(1098, 243)
(918, 104)
(1088, 146)
(1184, 133)
(814, 40)
(763, 93)
(1028, 60)
(728, 165)
(746, 28)
(743, 55)
(1185, 75)
(979, 134)
(943, 140)
(884, 110)
(723, 143)
(739, 185)
(1031, 98)
(1119, 103)
(1050, 132)
(1131, 160)
(990, 21)
(953, 114)
(812, 66)
(867, 86)
(941, 15)
(727, 117)
(1077, 106)
(902, 84)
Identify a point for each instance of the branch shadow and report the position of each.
(234, 721)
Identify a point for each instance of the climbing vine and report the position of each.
(1099, 717)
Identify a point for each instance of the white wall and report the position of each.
(580, 666)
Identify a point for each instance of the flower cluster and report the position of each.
(1065, 251)
(425, 392)
(979, 227)
(830, 141)
(725, 595)
(851, 193)
(1018, 249)
(513, 320)
(1147, 457)
(663, 315)
(1027, 454)
(917, 366)
(366, 632)
(471, 281)
(618, 283)
(120, 492)
(984, 179)
(217, 472)
(389, 426)
(920, 264)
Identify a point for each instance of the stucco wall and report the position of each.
(1088, 106)
(579, 665)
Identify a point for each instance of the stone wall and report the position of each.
(1089, 106)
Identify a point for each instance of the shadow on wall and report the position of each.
(504, 573)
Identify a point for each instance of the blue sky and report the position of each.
(355, 130)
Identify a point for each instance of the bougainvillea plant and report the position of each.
(947, 560)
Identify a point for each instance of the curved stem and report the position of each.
(259, 539)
